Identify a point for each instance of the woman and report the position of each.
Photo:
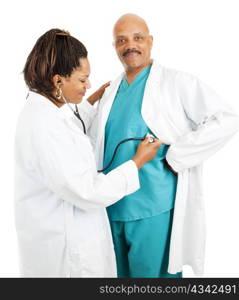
(61, 222)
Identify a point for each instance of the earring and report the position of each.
(58, 93)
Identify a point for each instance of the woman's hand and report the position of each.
(98, 94)
(146, 151)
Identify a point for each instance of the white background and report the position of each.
(197, 36)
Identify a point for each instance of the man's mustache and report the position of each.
(131, 51)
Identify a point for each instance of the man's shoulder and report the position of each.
(172, 73)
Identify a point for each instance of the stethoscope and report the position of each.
(76, 113)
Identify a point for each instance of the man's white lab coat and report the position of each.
(186, 114)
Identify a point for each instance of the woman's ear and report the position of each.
(56, 80)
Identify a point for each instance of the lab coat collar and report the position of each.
(155, 72)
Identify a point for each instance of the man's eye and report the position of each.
(138, 38)
(120, 41)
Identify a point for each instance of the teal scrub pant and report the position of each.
(142, 246)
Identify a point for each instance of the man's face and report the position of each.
(132, 43)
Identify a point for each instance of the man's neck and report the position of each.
(131, 73)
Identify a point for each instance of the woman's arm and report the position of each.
(67, 165)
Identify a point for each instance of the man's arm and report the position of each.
(213, 124)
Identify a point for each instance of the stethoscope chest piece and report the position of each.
(151, 139)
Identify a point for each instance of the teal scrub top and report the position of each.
(157, 183)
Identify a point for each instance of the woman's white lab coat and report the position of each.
(186, 114)
(61, 222)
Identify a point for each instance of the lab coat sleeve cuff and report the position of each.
(131, 174)
(87, 107)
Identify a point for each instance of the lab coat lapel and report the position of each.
(108, 100)
(154, 107)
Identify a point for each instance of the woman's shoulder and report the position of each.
(40, 116)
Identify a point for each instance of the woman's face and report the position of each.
(74, 87)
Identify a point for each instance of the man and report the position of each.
(159, 228)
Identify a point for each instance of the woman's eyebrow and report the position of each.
(84, 75)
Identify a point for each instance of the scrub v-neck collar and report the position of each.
(137, 78)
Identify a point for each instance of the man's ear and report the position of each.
(151, 40)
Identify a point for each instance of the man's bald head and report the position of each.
(132, 41)
(129, 19)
